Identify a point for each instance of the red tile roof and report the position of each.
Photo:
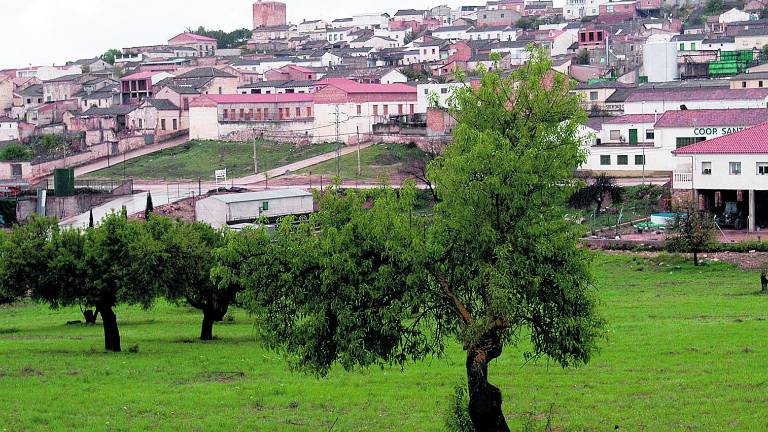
(658, 95)
(713, 117)
(301, 68)
(350, 86)
(195, 37)
(632, 118)
(138, 76)
(748, 141)
(213, 100)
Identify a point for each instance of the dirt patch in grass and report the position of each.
(744, 260)
(30, 372)
(215, 376)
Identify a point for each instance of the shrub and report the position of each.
(15, 152)
(457, 415)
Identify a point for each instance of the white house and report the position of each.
(370, 21)
(728, 176)
(342, 34)
(9, 129)
(649, 101)
(440, 92)
(633, 143)
(452, 32)
(374, 42)
(502, 33)
(734, 15)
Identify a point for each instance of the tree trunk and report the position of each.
(111, 332)
(695, 259)
(484, 398)
(90, 316)
(206, 333)
(764, 281)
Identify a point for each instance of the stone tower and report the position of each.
(268, 14)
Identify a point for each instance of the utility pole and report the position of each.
(338, 144)
(358, 153)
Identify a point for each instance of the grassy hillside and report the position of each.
(375, 161)
(686, 350)
(201, 158)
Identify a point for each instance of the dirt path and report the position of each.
(745, 260)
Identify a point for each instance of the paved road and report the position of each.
(133, 204)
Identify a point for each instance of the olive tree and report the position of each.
(365, 282)
(189, 255)
(101, 267)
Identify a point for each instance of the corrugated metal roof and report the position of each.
(261, 196)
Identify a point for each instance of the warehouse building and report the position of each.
(243, 208)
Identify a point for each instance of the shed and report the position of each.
(238, 208)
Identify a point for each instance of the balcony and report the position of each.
(682, 180)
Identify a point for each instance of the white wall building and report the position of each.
(232, 209)
(441, 91)
(649, 101)
(644, 142)
(728, 175)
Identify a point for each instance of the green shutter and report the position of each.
(633, 136)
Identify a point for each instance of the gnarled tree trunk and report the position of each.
(111, 332)
(484, 398)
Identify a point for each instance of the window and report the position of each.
(375, 110)
(298, 112)
(639, 159)
(29, 100)
(605, 159)
(615, 135)
(220, 90)
(412, 108)
(175, 124)
(250, 114)
(593, 95)
(734, 168)
(649, 134)
(360, 108)
(400, 109)
(743, 84)
(386, 109)
(444, 90)
(682, 47)
(16, 170)
(141, 124)
(265, 206)
(622, 160)
(309, 111)
(684, 141)
(242, 113)
(162, 124)
(762, 168)
(706, 168)
(693, 46)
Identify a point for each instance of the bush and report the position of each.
(457, 415)
(15, 152)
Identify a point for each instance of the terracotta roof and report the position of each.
(689, 94)
(632, 118)
(213, 100)
(139, 75)
(194, 36)
(205, 72)
(748, 141)
(713, 117)
(350, 86)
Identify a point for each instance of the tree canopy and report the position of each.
(233, 39)
(110, 55)
(365, 282)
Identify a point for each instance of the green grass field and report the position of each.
(375, 161)
(200, 158)
(686, 349)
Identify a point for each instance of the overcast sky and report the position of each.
(46, 32)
